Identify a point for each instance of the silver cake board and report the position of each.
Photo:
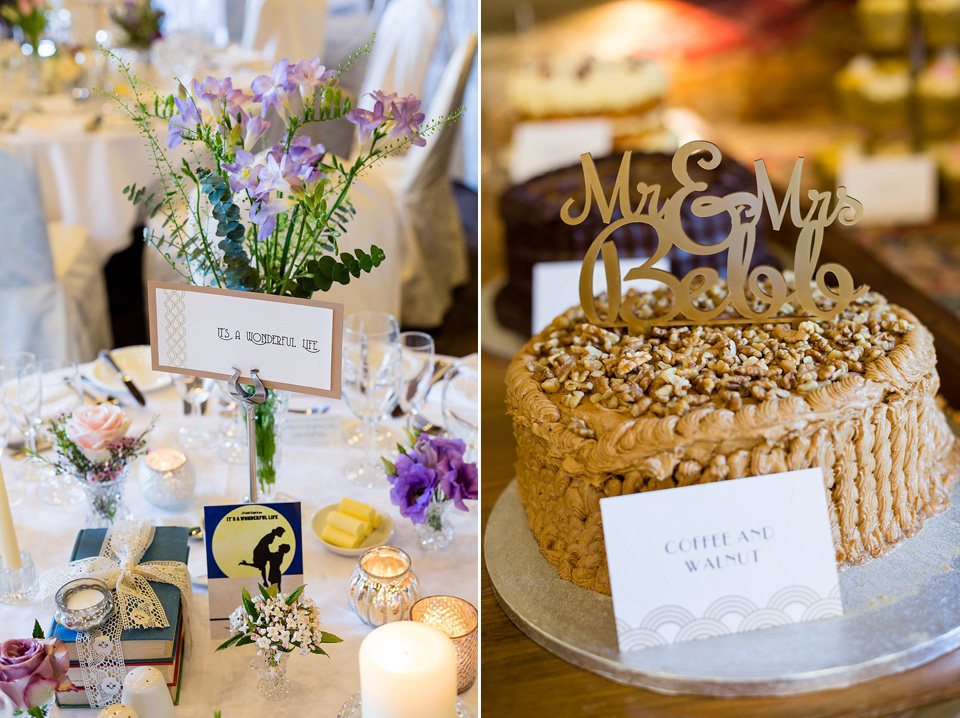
(900, 611)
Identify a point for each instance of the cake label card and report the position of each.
(555, 287)
(250, 544)
(206, 331)
(720, 558)
(894, 189)
(539, 147)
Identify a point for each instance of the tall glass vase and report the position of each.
(269, 418)
(105, 499)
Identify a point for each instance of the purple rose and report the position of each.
(31, 670)
(412, 488)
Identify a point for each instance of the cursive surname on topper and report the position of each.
(744, 210)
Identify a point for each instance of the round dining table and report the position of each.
(314, 453)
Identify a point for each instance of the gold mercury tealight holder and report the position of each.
(458, 619)
(83, 603)
(382, 587)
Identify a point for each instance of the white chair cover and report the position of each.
(406, 39)
(52, 291)
(434, 247)
(376, 222)
(295, 29)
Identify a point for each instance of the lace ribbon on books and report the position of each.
(118, 565)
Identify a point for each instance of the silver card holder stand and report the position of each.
(249, 399)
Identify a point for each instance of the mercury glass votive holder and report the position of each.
(83, 603)
(167, 478)
(383, 588)
(459, 620)
(19, 585)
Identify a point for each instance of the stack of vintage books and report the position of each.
(158, 647)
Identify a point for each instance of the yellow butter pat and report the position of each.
(359, 510)
(338, 537)
(349, 524)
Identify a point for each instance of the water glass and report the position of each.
(384, 327)
(417, 351)
(194, 390)
(21, 395)
(461, 403)
(60, 393)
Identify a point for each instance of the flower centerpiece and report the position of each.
(140, 23)
(426, 479)
(278, 625)
(31, 669)
(264, 217)
(93, 446)
(28, 15)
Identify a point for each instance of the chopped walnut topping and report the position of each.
(676, 369)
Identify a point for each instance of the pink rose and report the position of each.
(31, 670)
(93, 427)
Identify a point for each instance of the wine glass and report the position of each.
(371, 377)
(60, 393)
(416, 349)
(20, 386)
(194, 390)
(374, 325)
(460, 403)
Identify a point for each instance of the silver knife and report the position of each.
(125, 378)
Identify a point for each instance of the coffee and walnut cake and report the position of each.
(599, 413)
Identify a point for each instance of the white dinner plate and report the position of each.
(136, 362)
(380, 535)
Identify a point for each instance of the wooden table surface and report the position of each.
(520, 679)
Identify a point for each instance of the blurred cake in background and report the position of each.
(941, 22)
(534, 232)
(628, 92)
(938, 95)
(884, 23)
(876, 93)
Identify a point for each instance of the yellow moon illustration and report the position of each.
(238, 534)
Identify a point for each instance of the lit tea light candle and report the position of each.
(165, 459)
(408, 670)
(84, 598)
(458, 619)
(9, 549)
(83, 603)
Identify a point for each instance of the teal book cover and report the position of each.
(169, 544)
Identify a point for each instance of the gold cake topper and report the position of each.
(744, 210)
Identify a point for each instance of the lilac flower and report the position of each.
(458, 480)
(253, 129)
(243, 172)
(186, 120)
(274, 90)
(219, 94)
(366, 120)
(303, 152)
(307, 74)
(413, 488)
(408, 119)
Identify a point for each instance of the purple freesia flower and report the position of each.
(308, 74)
(458, 479)
(413, 488)
(264, 212)
(303, 152)
(367, 120)
(405, 114)
(253, 129)
(279, 174)
(219, 94)
(186, 120)
(274, 90)
(243, 172)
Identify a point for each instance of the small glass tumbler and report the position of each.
(383, 588)
(19, 585)
(83, 603)
(458, 619)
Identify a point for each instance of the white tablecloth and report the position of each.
(313, 474)
(82, 175)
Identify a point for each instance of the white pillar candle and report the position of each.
(9, 549)
(145, 690)
(84, 598)
(408, 670)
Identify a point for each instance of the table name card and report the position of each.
(204, 331)
(721, 558)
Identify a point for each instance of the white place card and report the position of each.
(721, 558)
(894, 189)
(204, 331)
(556, 286)
(538, 147)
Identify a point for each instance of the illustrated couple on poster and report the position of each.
(269, 560)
